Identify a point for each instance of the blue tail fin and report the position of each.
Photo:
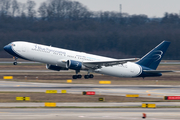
(153, 58)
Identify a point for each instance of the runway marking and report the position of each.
(120, 90)
(148, 91)
(142, 93)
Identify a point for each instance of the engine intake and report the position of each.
(75, 65)
(56, 68)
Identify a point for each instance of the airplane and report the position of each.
(62, 59)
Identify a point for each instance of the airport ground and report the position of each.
(32, 80)
(30, 72)
(37, 73)
(69, 97)
(89, 114)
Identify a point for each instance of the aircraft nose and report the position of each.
(7, 48)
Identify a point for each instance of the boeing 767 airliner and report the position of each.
(62, 59)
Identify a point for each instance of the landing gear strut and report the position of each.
(15, 62)
(77, 76)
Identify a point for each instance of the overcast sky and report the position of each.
(152, 8)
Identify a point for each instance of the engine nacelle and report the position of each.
(56, 68)
(75, 65)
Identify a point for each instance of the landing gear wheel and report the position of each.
(74, 76)
(86, 76)
(14, 63)
(79, 76)
(91, 76)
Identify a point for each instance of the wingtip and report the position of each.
(136, 58)
(166, 41)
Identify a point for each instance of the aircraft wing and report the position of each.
(98, 64)
(158, 71)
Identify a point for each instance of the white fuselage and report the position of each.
(57, 56)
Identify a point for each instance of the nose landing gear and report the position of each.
(15, 62)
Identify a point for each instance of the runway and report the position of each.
(156, 91)
(92, 104)
(89, 114)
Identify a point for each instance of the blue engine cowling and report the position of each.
(75, 65)
(56, 68)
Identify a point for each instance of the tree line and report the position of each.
(71, 25)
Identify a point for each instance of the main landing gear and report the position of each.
(77, 76)
(15, 62)
(80, 76)
(88, 76)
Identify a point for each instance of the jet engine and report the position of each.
(75, 65)
(56, 68)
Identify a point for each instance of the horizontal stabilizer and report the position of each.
(158, 71)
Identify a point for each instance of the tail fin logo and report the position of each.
(158, 55)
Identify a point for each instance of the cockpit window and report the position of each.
(12, 44)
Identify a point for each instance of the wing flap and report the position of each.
(98, 64)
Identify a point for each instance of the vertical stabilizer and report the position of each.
(153, 58)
